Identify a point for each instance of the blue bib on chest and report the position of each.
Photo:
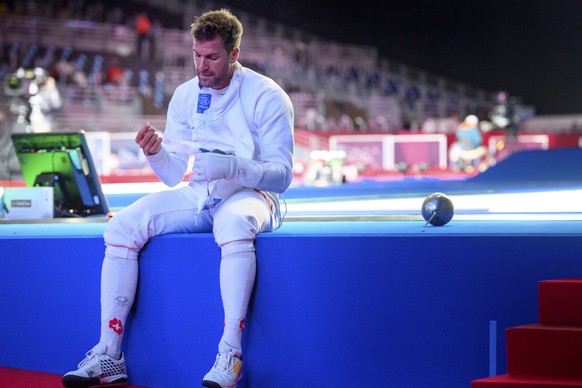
(204, 100)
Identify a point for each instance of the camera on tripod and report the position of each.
(24, 82)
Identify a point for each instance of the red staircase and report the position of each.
(548, 353)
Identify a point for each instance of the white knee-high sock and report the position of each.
(118, 287)
(237, 278)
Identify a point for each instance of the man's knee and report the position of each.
(237, 247)
(116, 229)
(235, 227)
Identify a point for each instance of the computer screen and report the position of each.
(63, 161)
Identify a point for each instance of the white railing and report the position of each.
(114, 123)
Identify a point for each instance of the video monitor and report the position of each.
(63, 161)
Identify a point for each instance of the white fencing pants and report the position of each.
(234, 223)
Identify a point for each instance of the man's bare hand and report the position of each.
(148, 140)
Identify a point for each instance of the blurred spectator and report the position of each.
(430, 125)
(117, 81)
(145, 42)
(63, 70)
(80, 78)
(468, 151)
(115, 74)
(503, 115)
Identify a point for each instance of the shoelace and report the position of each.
(227, 364)
(88, 357)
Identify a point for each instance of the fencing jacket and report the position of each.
(252, 118)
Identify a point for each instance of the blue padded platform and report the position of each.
(334, 302)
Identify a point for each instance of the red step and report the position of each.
(549, 353)
(510, 381)
(560, 300)
(545, 351)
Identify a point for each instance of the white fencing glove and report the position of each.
(209, 166)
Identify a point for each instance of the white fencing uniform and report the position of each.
(251, 119)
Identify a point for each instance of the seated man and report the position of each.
(230, 130)
(468, 150)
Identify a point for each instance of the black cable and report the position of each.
(8, 161)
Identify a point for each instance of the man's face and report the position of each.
(213, 63)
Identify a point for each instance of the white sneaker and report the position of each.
(97, 368)
(226, 372)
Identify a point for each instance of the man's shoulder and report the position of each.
(255, 78)
(255, 82)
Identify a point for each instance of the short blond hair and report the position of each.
(221, 23)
